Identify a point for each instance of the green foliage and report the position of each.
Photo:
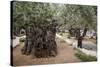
(85, 58)
(36, 13)
(80, 16)
(22, 39)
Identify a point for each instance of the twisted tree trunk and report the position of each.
(41, 40)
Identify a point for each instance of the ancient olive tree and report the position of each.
(40, 27)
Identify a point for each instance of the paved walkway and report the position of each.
(65, 55)
(89, 47)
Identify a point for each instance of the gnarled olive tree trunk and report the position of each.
(40, 41)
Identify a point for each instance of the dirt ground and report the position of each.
(65, 55)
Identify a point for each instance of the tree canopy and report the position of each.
(66, 15)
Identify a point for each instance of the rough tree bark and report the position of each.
(85, 30)
(40, 41)
(28, 42)
(77, 33)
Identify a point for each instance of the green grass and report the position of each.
(85, 58)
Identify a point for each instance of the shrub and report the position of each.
(22, 40)
(61, 33)
(85, 58)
